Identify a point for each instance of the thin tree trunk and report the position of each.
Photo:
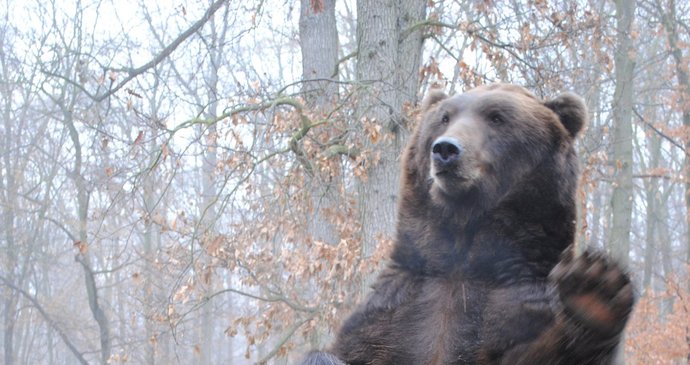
(208, 218)
(587, 216)
(147, 270)
(652, 189)
(9, 201)
(83, 256)
(10, 297)
(209, 212)
(666, 255)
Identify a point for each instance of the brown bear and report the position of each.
(482, 271)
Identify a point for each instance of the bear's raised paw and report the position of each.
(594, 291)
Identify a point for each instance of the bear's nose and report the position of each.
(446, 151)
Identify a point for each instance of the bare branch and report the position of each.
(51, 321)
(286, 336)
(164, 53)
(659, 132)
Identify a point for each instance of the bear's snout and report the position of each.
(446, 151)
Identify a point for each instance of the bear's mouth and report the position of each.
(452, 178)
(448, 182)
(447, 171)
(447, 174)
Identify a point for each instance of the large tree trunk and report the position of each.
(622, 201)
(388, 63)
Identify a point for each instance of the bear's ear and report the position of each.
(433, 97)
(572, 111)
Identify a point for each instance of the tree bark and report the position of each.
(319, 46)
(388, 62)
(622, 199)
(622, 202)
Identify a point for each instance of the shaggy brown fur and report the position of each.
(480, 272)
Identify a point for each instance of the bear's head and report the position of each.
(478, 148)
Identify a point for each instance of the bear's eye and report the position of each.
(496, 118)
(445, 119)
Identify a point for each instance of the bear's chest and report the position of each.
(463, 322)
(445, 322)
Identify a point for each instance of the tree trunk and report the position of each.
(9, 185)
(319, 46)
(670, 22)
(209, 212)
(622, 202)
(665, 241)
(148, 267)
(83, 256)
(10, 300)
(589, 218)
(388, 62)
(8, 204)
(652, 220)
(207, 220)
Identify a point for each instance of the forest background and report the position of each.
(197, 182)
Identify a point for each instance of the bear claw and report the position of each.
(595, 292)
